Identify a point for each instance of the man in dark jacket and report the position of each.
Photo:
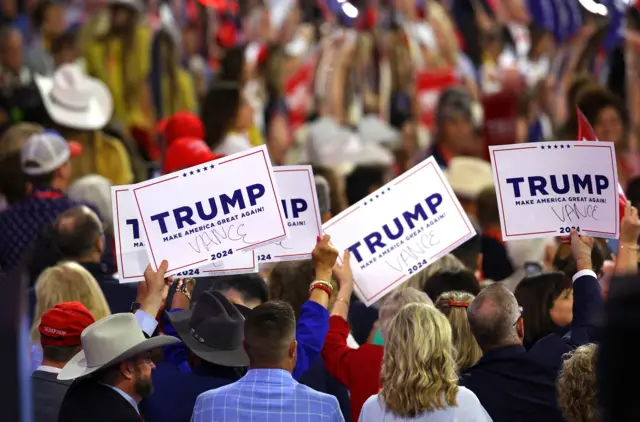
(78, 236)
(60, 330)
(213, 332)
(113, 370)
(511, 383)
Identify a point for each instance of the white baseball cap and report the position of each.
(45, 152)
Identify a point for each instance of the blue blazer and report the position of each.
(175, 393)
(515, 385)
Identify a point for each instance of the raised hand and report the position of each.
(629, 226)
(324, 257)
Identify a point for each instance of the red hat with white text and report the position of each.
(63, 325)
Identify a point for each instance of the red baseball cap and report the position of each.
(181, 125)
(62, 325)
(187, 152)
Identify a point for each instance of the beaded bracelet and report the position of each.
(322, 287)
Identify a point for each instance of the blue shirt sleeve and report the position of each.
(312, 328)
(175, 354)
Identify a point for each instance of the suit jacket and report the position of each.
(515, 385)
(90, 401)
(175, 392)
(48, 393)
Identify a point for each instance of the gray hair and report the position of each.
(493, 316)
(324, 194)
(395, 301)
(95, 190)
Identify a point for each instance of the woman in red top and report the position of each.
(359, 369)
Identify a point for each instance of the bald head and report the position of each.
(494, 318)
(78, 233)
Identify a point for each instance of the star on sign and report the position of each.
(562, 146)
(205, 169)
(555, 146)
(198, 170)
(184, 174)
(541, 146)
(568, 146)
(191, 172)
(211, 166)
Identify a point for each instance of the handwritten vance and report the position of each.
(216, 235)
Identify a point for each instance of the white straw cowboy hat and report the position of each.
(111, 340)
(468, 176)
(75, 100)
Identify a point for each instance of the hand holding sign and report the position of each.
(324, 258)
(565, 185)
(152, 290)
(629, 226)
(581, 247)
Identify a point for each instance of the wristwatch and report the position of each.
(135, 306)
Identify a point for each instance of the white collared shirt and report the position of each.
(50, 369)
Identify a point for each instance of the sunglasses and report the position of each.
(520, 317)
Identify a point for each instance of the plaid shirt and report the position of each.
(266, 395)
(21, 223)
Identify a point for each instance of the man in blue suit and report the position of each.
(511, 383)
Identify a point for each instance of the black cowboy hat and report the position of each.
(213, 329)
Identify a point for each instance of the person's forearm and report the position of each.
(341, 305)
(627, 260)
(318, 295)
(584, 264)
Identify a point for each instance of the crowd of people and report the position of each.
(101, 93)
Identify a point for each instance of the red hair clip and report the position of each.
(459, 304)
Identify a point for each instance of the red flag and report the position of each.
(586, 133)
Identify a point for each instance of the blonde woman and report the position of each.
(65, 282)
(419, 380)
(454, 306)
(359, 369)
(577, 387)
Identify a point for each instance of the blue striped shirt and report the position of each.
(266, 395)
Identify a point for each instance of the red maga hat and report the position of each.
(63, 325)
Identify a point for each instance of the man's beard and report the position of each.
(143, 387)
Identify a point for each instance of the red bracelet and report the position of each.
(323, 288)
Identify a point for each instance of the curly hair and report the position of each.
(289, 282)
(467, 350)
(576, 386)
(418, 372)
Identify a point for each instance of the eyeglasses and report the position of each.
(520, 317)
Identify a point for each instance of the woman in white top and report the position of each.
(419, 381)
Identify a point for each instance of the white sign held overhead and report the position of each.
(545, 189)
(300, 204)
(130, 253)
(400, 229)
(132, 257)
(209, 212)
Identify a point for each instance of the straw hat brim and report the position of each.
(77, 367)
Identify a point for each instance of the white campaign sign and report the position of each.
(400, 229)
(545, 189)
(130, 253)
(300, 203)
(212, 211)
(132, 257)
